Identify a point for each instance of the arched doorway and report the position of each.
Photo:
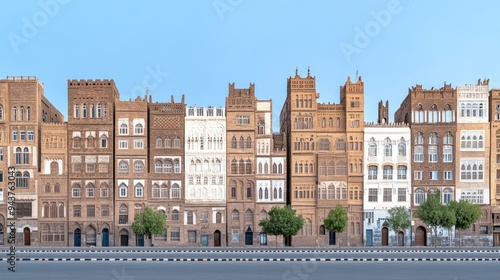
(27, 236)
(123, 237)
(420, 236)
(78, 238)
(217, 238)
(90, 236)
(249, 237)
(401, 239)
(385, 236)
(105, 237)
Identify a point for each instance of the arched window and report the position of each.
(158, 166)
(235, 215)
(15, 113)
(45, 213)
(1, 112)
(138, 166)
(99, 107)
(218, 218)
(372, 147)
(123, 167)
(387, 147)
(57, 188)
(167, 166)
(248, 143)
(249, 215)
(168, 142)
(18, 155)
(234, 143)
(402, 147)
(92, 111)
(324, 144)
(340, 145)
(22, 112)
(323, 122)
(419, 196)
(77, 112)
(159, 142)
(176, 191)
(61, 210)
(261, 127)
(84, 110)
(28, 113)
(175, 215)
(53, 210)
(419, 138)
(249, 189)
(139, 129)
(54, 168)
(104, 190)
(330, 122)
(123, 129)
(26, 155)
(139, 190)
(123, 190)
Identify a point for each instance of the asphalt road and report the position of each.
(252, 270)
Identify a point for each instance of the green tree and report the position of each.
(398, 220)
(466, 214)
(435, 214)
(282, 221)
(336, 220)
(149, 222)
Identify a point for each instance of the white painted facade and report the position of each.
(205, 155)
(387, 179)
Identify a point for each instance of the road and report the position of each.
(241, 264)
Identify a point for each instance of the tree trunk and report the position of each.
(276, 241)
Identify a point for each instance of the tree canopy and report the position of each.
(398, 219)
(149, 222)
(336, 220)
(466, 214)
(435, 214)
(282, 221)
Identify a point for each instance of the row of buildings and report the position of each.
(217, 171)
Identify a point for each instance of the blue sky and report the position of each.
(197, 47)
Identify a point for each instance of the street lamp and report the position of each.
(411, 233)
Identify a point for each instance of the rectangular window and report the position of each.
(22, 135)
(372, 172)
(14, 135)
(401, 195)
(447, 154)
(474, 196)
(1, 194)
(418, 155)
(434, 175)
(387, 194)
(90, 210)
(31, 136)
(372, 194)
(23, 209)
(1, 176)
(103, 167)
(387, 172)
(242, 120)
(90, 167)
(191, 236)
(483, 229)
(418, 175)
(433, 155)
(138, 144)
(123, 144)
(448, 175)
(204, 217)
(175, 234)
(105, 210)
(77, 211)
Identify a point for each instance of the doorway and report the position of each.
(27, 236)
(124, 237)
(332, 238)
(401, 239)
(140, 241)
(77, 237)
(420, 236)
(217, 238)
(249, 237)
(385, 236)
(105, 238)
(369, 237)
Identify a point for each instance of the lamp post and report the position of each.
(411, 233)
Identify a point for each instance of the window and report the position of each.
(324, 144)
(418, 154)
(57, 188)
(447, 153)
(14, 135)
(22, 180)
(77, 211)
(177, 142)
(235, 215)
(26, 156)
(159, 142)
(419, 138)
(402, 147)
(372, 147)
(123, 190)
(175, 215)
(387, 195)
(249, 190)
(401, 194)
(123, 129)
(204, 217)
(123, 144)
(18, 155)
(138, 129)
(433, 154)
(340, 145)
(99, 108)
(104, 190)
(77, 142)
(242, 120)
(372, 195)
(123, 217)
(419, 196)
(448, 175)
(192, 236)
(84, 110)
(138, 144)
(447, 196)
(387, 147)
(31, 135)
(123, 167)
(474, 196)
(138, 166)
(190, 217)
(372, 172)
(387, 172)
(77, 114)
(90, 167)
(471, 170)
(434, 175)
(402, 172)
(22, 135)
(139, 190)
(176, 191)
(175, 234)
(168, 142)
(90, 210)
(418, 175)
(90, 190)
